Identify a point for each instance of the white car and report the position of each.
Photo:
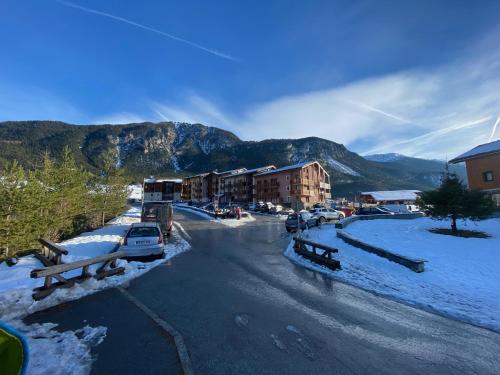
(276, 209)
(143, 239)
(326, 214)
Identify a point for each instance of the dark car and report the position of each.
(306, 221)
(373, 211)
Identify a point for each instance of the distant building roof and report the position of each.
(254, 170)
(152, 179)
(288, 167)
(478, 151)
(232, 171)
(393, 195)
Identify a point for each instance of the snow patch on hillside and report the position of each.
(338, 166)
(384, 158)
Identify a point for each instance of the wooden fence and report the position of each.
(51, 258)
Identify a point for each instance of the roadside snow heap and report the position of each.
(461, 277)
(44, 341)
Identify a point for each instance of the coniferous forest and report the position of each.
(55, 200)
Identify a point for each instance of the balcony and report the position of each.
(324, 185)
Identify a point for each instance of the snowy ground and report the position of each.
(461, 277)
(16, 288)
(207, 215)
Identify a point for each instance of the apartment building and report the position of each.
(298, 186)
(204, 187)
(238, 187)
(483, 168)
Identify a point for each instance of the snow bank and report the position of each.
(461, 277)
(45, 343)
(16, 286)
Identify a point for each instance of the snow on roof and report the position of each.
(254, 170)
(484, 149)
(152, 179)
(393, 195)
(288, 167)
(232, 171)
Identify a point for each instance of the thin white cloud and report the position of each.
(148, 28)
(494, 130)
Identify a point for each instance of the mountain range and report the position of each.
(180, 149)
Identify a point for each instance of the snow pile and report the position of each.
(134, 192)
(16, 286)
(461, 277)
(45, 344)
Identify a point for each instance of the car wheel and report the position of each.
(341, 217)
(288, 230)
(322, 220)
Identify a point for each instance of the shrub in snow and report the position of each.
(452, 200)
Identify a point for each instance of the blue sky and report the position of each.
(420, 78)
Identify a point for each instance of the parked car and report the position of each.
(143, 239)
(306, 221)
(276, 209)
(327, 214)
(266, 207)
(287, 211)
(251, 206)
(396, 208)
(373, 211)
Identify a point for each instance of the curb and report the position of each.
(182, 352)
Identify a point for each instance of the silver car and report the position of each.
(143, 239)
(327, 214)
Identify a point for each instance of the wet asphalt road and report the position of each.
(243, 308)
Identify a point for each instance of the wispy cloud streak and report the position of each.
(494, 130)
(148, 28)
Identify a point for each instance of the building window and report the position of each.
(287, 177)
(488, 176)
(288, 187)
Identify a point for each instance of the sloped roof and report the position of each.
(231, 172)
(481, 150)
(254, 170)
(393, 195)
(288, 167)
(152, 179)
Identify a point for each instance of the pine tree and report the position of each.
(452, 200)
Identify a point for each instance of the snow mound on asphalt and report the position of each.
(49, 349)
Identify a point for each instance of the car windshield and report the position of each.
(292, 217)
(143, 232)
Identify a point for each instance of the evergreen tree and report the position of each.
(12, 184)
(454, 201)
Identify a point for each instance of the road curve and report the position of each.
(243, 308)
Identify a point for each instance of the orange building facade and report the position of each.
(483, 168)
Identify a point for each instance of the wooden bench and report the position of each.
(108, 268)
(323, 258)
